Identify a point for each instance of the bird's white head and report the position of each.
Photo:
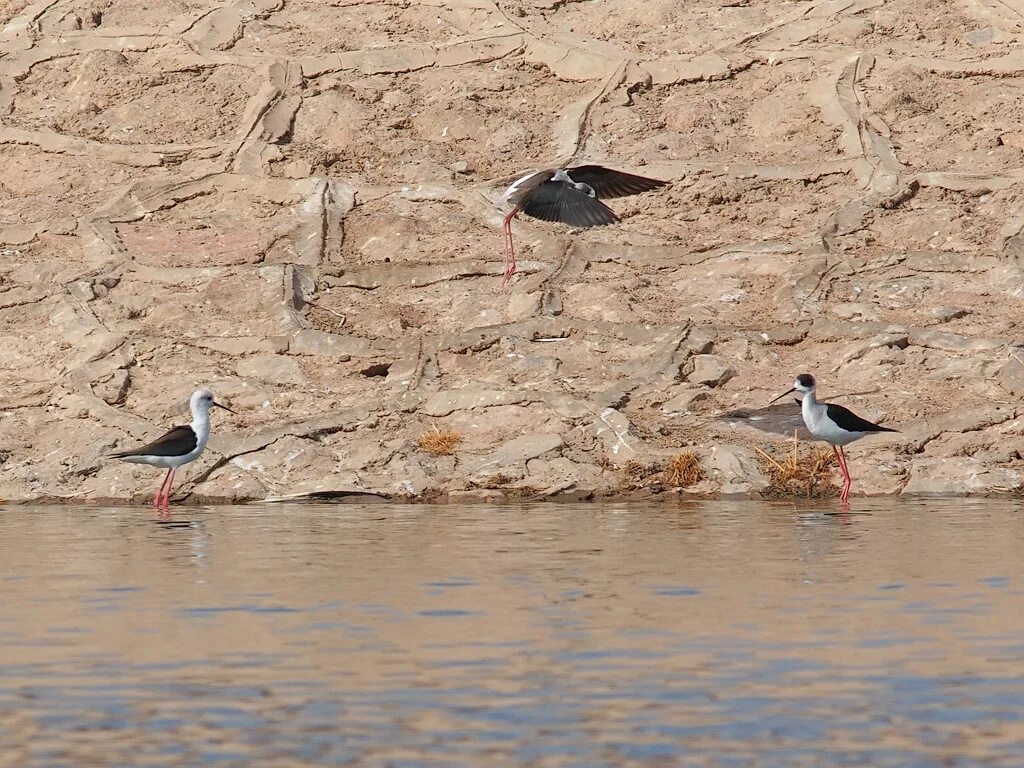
(202, 401)
(804, 384)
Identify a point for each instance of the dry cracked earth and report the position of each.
(294, 202)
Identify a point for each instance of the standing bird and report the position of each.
(568, 195)
(179, 446)
(834, 424)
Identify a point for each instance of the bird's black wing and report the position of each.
(851, 422)
(524, 187)
(177, 442)
(608, 183)
(561, 201)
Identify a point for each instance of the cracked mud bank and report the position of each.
(293, 202)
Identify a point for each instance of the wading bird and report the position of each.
(178, 447)
(834, 424)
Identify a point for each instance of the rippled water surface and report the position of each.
(711, 634)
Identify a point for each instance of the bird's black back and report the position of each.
(851, 422)
(177, 442)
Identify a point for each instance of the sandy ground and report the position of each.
(294, 203)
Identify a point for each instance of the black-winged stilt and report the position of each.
(178, 446)
(568, 195)
(831, 423)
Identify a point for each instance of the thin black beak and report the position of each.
(225, 408)
(783, 395)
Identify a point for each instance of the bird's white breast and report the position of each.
(823, 428)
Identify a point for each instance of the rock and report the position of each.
(952, 342)
(477, 495)
(532, 368)
(517, 451)
(615, 430)
(115, 389)
(682, 400)
(1011, 375)
(228, 483)
(558, 475)
(403, 477)
(736, 469)
(827, 329)
(856, 310)
(311, 342)
(959, 476)
(275, 369)
(710, 371)
(980, 36)
(699, 341)
(431, 192)
(445, 403)
(784, 335)
(568, 407)
(945, 314)
(82, 290)
(879, 474)
(859, 349)
(243, 345)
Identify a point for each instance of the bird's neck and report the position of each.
(809, 402)
(201, 426)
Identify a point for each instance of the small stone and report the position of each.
(710, 371)
(459, 166)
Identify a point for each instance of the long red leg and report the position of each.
(159, 493)
(510, 255)
(845, 495)
(167, 494)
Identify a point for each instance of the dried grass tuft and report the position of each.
(683, 470)
(438, 443)
(800, 474)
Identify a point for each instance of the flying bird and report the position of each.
(569, 195)
(177, 447)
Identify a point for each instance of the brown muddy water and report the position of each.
(703, 634)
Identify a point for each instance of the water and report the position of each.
(703, 634)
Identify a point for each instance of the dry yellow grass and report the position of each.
(438, 443)
(683, 470)
(800, 474)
